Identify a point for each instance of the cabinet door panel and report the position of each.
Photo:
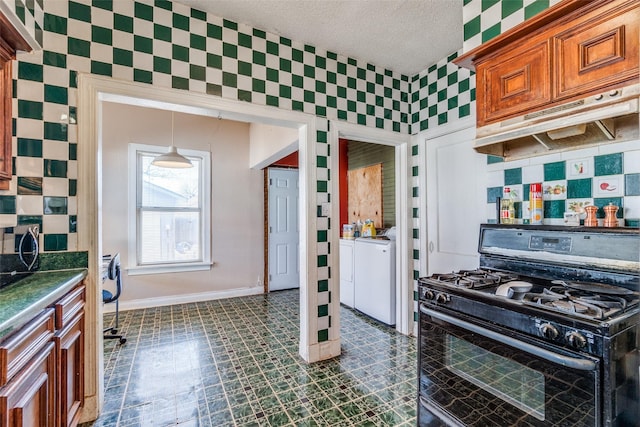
(598, 53)
(517, 83)
(70, 350)
(28, 400)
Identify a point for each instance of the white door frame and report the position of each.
(92, 90)
(404, 248)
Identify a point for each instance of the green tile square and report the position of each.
(142, 44)
(321, 186)
(55, 131)
(73, 151)
(54, 59)
(554, 209)
(579, 188)
(197, 73)
(55, 94)
(471, 28)
(55, 205)
(244, 68)
(486, 4)
(229, 50)
(510, 7)
(322, 235)
(285, 92)
(604, 201)
(273, 101)
(80, 12)
(229, 24)
(55, 168)
(442, 71)
(142, 76)
(214, 31)
(180, 22)
(214, 61)
(494, 159)
(414, 150)
(73, 78)
(198, 42)
(162, 32)
(179, 83)
(78, 47)
(143, 11)
(101, 68)
(101, 35)
(55, 24)
(535, 7)
(464, 110)
(213, 89)
(244, 95)
(180, 53)
(55, 242)
(29, 147)
(73, 187)
(513, 176)
(7, 204)
(229, 79)
(608, 164)
(491, 32)
(122, 57)
(244, 40)
(323, 310)
(73, 223)
(323, 335)
(29, 186)
(161, 65)
(554, 171)
(443, 118)
(322, 260)
(30, 219)
(632, 184)
(29, 109)
(493, 193)
(259, 58)
(123, 23)
(526, 189)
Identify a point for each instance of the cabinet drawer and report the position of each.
(517, 83)
(69, 306)
(598, 53)
(20, 348)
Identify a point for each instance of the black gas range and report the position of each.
(545, 332)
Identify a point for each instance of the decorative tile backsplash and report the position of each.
(570, 185)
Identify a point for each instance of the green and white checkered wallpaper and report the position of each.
(30, 13)
(167, 44)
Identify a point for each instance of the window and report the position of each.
(169, 213)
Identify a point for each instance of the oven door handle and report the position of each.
(569, 362)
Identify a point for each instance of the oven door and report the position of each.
(472, 374)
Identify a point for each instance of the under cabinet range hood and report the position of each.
(611, 116)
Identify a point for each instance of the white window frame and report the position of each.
(134, 267)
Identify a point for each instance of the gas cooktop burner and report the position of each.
(580, 303)
(474, 279)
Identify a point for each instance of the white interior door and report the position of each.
(284, 270)
(456, 201)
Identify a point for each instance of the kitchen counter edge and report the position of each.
(22, 301)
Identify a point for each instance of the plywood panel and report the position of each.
(365, 194)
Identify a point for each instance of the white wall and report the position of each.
(270, 143)
(237, 201)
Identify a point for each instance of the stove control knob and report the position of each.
(576, 340)
(442, 298)
(548, 331)
(429, 295)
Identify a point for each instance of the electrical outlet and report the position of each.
(325, 209)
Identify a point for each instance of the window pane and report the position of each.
(169, 237)
(165, 187)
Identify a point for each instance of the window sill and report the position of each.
(168, 268)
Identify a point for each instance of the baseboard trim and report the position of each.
(182, 299)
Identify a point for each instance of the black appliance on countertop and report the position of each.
(544, 333)
(20, 250)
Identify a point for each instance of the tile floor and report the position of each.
(235, 362)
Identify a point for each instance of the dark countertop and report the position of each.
(22, 301)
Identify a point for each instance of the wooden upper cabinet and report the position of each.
(599, 52)
(572, 50)
(515, 84)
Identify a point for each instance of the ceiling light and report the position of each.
(172, 159)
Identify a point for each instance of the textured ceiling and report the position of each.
(406, 36)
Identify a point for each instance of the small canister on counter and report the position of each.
(535, 203)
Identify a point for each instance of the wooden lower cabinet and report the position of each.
(70, 351)
(42, 367)
(28, 399)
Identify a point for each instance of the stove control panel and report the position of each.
(567, 336)
(551, 244)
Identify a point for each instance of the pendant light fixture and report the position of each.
(172, 159)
